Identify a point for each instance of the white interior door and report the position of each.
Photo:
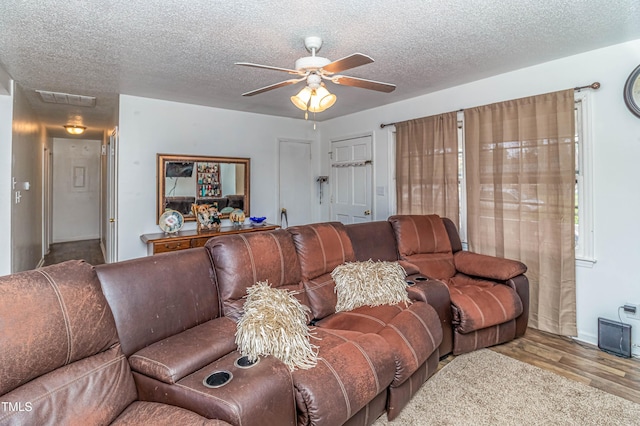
(351, 180)
(76, 185)
(296, 183)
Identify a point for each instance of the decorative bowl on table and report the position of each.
(258, 221)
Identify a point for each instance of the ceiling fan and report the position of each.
(314, 69)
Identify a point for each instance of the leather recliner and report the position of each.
(489, 295)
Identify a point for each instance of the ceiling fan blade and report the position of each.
(267, 67)
(273, 86)
(363, 83)
(348, 62)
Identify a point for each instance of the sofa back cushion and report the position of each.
(159, 296)
(60, 360)
(423, 240)
(241, 260)
(49, 318)
(320, 248)
(373, 240)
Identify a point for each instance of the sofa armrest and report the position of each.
(175, 357)
(520, 284)
(491, 267)
(436, 294)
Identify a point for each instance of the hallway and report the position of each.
(87, 250)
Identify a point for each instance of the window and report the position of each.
(584, 182)
(462, 186)
(584, 234)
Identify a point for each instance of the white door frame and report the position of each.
(47, 169)
(111, 238)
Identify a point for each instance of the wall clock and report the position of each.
(632, 91)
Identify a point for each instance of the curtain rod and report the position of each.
(595, 86)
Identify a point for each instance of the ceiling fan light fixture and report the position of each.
(321, 100)
(301, 100)
(314, 100)
(74, 129)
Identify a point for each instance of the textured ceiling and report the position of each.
(184, 50)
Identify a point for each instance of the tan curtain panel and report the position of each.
(427, 166)
(520, 164)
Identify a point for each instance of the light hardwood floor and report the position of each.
(576, 361)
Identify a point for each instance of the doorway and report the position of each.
(351, 180)
(75, 196)
(295, 183)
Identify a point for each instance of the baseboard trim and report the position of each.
(74, 239)
(104, 250)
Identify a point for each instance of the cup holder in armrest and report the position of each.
(410, 283)
(244, 362)
(421, 279)
(217, 379)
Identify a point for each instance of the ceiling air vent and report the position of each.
(67, 98)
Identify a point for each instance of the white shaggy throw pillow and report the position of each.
(275, 323)
(369, 284)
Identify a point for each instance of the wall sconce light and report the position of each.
(74, 129)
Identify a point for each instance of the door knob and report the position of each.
(367, 212)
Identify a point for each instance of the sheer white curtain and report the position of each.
(520, 171)
(427, 166)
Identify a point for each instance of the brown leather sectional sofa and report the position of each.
(148, 341)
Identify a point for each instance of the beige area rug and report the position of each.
(487, 388)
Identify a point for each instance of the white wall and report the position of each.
(28, 142)
(76, 199)
(151, 126)
(612, 281)
(6, 84)
(6, 118)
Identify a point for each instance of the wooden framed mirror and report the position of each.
(184, 180)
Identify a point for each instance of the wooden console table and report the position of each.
(161, 242)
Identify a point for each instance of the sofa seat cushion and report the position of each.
(175, 357)
(478, 304)
(147, 413)
(350, 373)
(434, 265)
(414, 332)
